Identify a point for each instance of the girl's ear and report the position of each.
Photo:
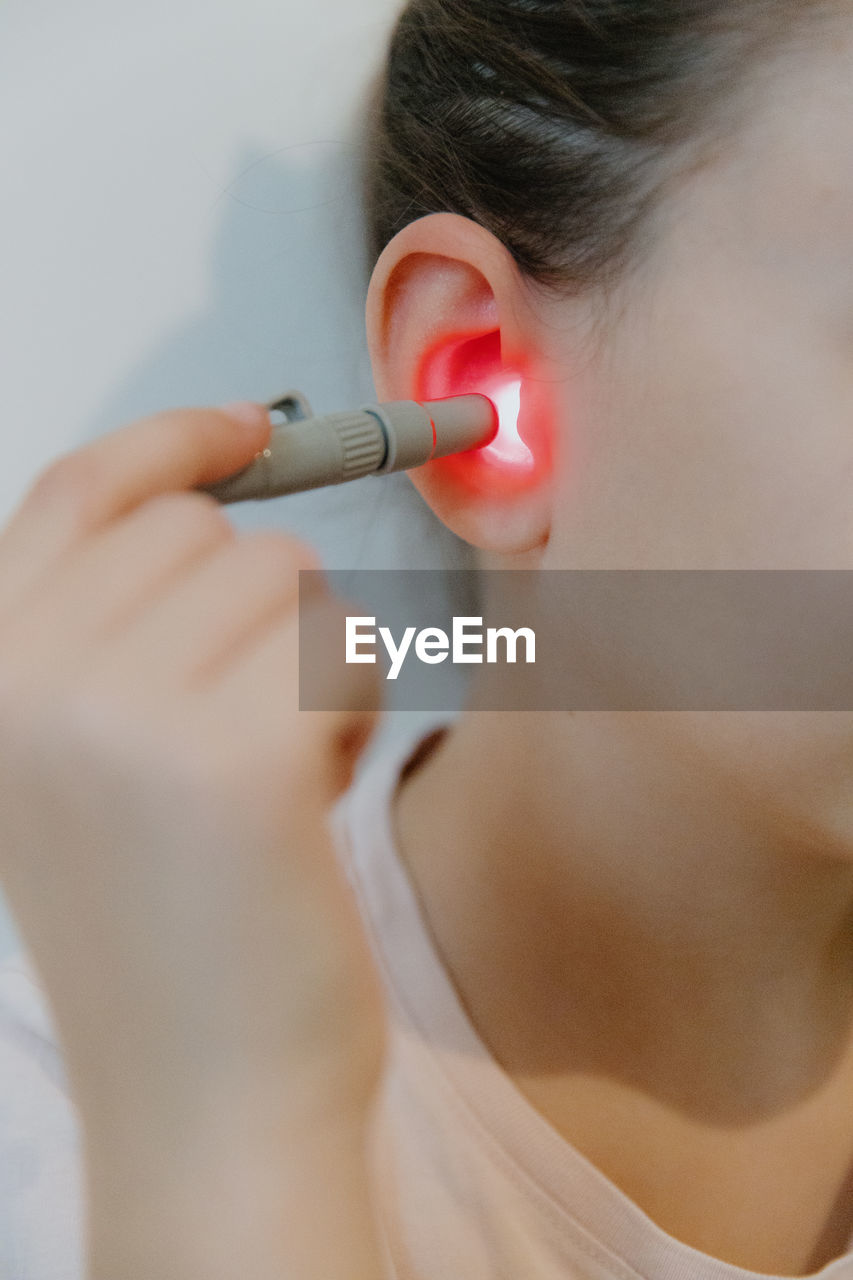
(447, 314)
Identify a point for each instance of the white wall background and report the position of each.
(180, 224)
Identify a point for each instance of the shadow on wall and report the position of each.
(287, 284)
(288, 280)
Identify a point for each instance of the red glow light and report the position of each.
(508, 447)
(465, 364)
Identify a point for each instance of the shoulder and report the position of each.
(395, 749)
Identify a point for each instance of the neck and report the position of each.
(604, 907)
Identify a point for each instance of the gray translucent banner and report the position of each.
(603, 640)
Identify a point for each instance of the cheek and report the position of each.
(518, 458)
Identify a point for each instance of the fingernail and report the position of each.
(247, 413)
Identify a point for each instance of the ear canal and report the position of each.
(466, 364)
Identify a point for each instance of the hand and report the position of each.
(164, 842)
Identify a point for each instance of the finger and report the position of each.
(316, 750)
(201, 621)
(62, 624)
(85, 490)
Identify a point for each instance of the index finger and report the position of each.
(82, 491)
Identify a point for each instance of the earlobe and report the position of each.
(442, 319)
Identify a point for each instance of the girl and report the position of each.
(592, 1017)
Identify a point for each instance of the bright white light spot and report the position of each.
(508, 445)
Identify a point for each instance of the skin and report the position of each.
(166, 854)
(647, 916)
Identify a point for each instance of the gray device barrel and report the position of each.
(376, 439)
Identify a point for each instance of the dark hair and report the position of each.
(556, 123)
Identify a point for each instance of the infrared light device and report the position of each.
(305, 452)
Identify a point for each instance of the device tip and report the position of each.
(462, 423)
